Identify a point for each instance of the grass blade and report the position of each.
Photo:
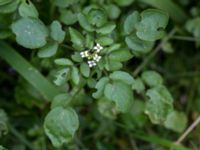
(31, 74)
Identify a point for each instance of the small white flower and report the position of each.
(92, 63)
(98, 47)
(84, 54)
(97, 58)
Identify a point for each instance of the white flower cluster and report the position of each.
(92, 56)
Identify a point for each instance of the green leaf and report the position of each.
(113, 65)
(121, 94)
(107, 108)
(137, 45)
(61, 100)
(170, 6)
(176, 121)
(96, 17)
(30, 33)
(48, 50)
(89, 42)
(152, 78)
(100, 87)
(77, 57)
(62, 76)
(122, 76)
(68, 17)
(106, 29)
(157, 110)
(193, 26)
(138, 85)
(113, 11)
(27, 9)
(159, 105)
(4, 2)
(57, 33)
(131, 21)
(152, 25)
(135, 118)
(161, 93)
(113, 47)
(104, 40)
(60, 125)
(121, 55)
(63, 62)
(75, 76)
(64, 3)
(84, 23)
(124, 2)
(9, 7)
(85, 70)
(76, 37)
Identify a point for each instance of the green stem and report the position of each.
(185, 38)
(26, 70)
(153, 53)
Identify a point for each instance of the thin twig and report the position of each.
(20, 137)
(153, 53)
(187, 132)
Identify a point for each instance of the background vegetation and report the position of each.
(99, 74)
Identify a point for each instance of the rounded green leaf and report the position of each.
(68, 17)
(131, 21)
(157, 110)
(84, 23)
(27, 9)
(97, 17)
(107, 108)
(57, 33)
(62, 76)
(30, 33)
(60, 125)
(61, 100)
(85, 70)
(152, 25)
(112, 65)
(161, 93)
(152, 78)
(138, 85)
(120, 55)
(122, 76)
(48, 50)
(106, 29)
(176, 121)
(104, 40)
(137, 45)
(100, 87)
(113, 11)
(121, 94)
(75, 76)
(76, 37)
(63, 62)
